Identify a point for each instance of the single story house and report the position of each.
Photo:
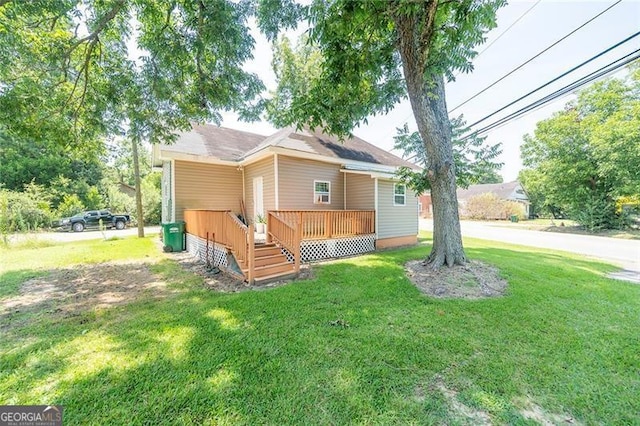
(320, 197)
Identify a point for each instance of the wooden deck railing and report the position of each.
(223, 227)
(287, 234)
(323, 224)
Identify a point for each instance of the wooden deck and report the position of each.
(286, 229)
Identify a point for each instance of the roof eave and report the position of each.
(166, 155)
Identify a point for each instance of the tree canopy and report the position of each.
(74, 71)
(583, 159)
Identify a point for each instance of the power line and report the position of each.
(602, 72)
(593, 58)
(595, 75)
(536, 55)
(509, 27)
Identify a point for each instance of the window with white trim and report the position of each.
(321, 192)
(399, 194)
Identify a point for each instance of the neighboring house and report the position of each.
(127, 189)
(424, 206)
(510, 191)
(321, 198)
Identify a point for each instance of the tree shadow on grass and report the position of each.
(282, 357)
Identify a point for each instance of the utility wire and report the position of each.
(570, 88)
(602, 72)
(593, 58)
(536, 55)
(595, 75)
(508, 28)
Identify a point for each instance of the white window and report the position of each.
(321, 192)
(399, 194)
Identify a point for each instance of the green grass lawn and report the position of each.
(358, 344)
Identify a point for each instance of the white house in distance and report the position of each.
(319, 197)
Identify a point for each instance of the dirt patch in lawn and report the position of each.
(69, 292)
(474, 280)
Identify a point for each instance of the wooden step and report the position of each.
(278, 268)
(275, 277)
(270, 260)
(270, 250)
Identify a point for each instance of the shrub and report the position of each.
(70, 205)
(22, 211)
(152, 199)
(490, 206)
(93, 199)
(512, 208)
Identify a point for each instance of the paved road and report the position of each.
(624, 253)
(82, 236)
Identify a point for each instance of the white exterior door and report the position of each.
(258, 197)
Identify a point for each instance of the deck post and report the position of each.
(297, 256)
(251, 254)
(327, 224)
(268, 227)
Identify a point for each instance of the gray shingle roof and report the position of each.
(235, 145)
(212, 141)
(502, 190)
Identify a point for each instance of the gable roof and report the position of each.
(234, 145)
(502, 190)
(212, 141)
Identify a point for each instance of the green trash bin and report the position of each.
(173, 236)
(514, 218)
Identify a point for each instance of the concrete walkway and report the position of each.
(621, 252)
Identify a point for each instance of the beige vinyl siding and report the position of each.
(396, 221)
(265, 169)
(360, 192)
(296, 177)
(207, 186)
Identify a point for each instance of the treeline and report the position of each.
(584, 162)
(41, 181)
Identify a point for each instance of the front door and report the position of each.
(258, 197)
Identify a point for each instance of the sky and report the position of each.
(544, 24)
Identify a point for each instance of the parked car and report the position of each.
(92, 219)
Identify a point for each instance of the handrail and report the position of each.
(325, 224)
(228, 230)
(236, 237)
(287, 234)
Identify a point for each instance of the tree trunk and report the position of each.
(136, 173)
(427, 97)
(435, 128)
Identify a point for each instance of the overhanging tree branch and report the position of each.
(100, 26)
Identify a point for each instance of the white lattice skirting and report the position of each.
(198, 247)
(338, 247)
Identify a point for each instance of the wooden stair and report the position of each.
(270, 264)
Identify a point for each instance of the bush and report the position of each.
(490, 206)
(70, 206)
(152, 199)
(22, 211)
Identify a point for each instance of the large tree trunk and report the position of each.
(427, 97)
(435, 130)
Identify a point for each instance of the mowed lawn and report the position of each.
(358, 344)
